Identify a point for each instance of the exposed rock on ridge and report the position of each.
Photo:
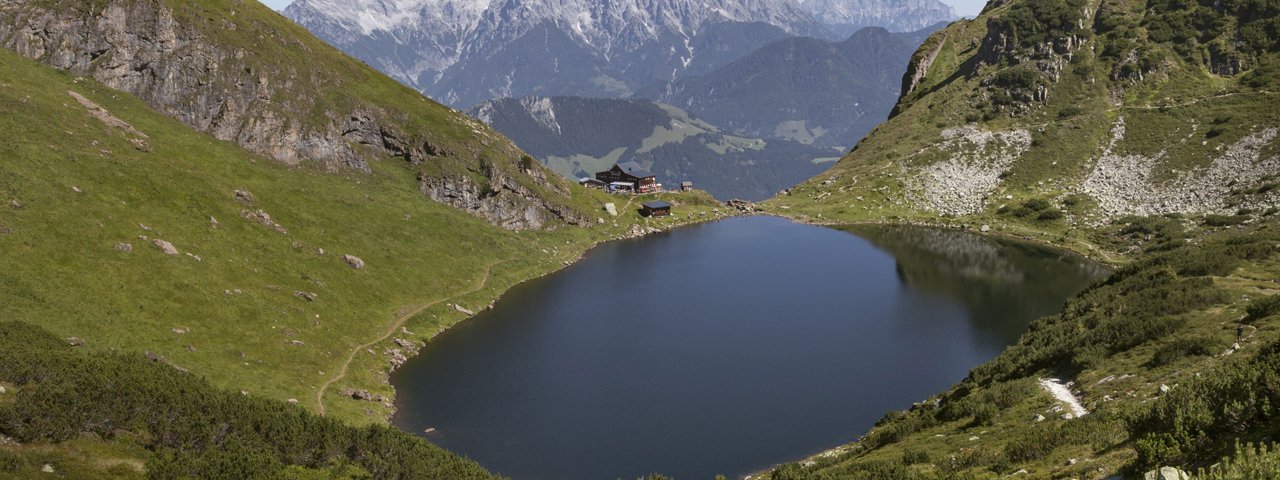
(141, 49)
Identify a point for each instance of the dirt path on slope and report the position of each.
(391, 330)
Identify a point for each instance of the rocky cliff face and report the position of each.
(500, 198)
(245, 75)
(141, 49)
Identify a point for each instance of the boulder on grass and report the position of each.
(354, 261)
(165, 247)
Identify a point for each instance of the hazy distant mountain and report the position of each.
(847, 16)
(579, 136)
(465, 51)
(803, 89)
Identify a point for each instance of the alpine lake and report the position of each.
(724, 348)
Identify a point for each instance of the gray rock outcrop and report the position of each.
(500, 198)
(140, 48)
(165, 246)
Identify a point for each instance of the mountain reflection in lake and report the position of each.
(725, 347)
(1002, 282)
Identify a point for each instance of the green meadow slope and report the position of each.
(243, 73)
(1142, 133)
(121, 360)
(258, 296)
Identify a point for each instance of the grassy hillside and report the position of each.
(243, 73)
(1028, 125)
(1141, 133)
(258, 298)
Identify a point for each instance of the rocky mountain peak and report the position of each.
(368, 16)
(847, 16)
(467, 51)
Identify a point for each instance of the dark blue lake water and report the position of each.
(725, 347)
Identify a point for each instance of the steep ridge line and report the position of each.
(391, 330)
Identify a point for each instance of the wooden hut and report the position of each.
(686, 186)
(643, 181)
(656, 208)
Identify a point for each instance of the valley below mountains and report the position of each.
(577, 137)
(222, 228)
(791, 82)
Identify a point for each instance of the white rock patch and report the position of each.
(1123, 185)
(960, 184)
(1062, 393)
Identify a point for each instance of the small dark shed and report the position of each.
(655, 208)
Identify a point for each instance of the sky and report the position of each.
(967, 8)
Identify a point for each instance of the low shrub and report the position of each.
(1262, 307)
(10, 462)
(1248, 462)
(1050, 215)
(1224, 220)
(914, 456)
(1185, 347)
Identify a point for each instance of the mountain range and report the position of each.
(802, 89)
(462, 52)
(843, 17)
(747, 129)
(577, 137)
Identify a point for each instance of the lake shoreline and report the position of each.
(1036, 237)
(728, 212)
(1093, 254)
(636, 231)
(408, 423)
